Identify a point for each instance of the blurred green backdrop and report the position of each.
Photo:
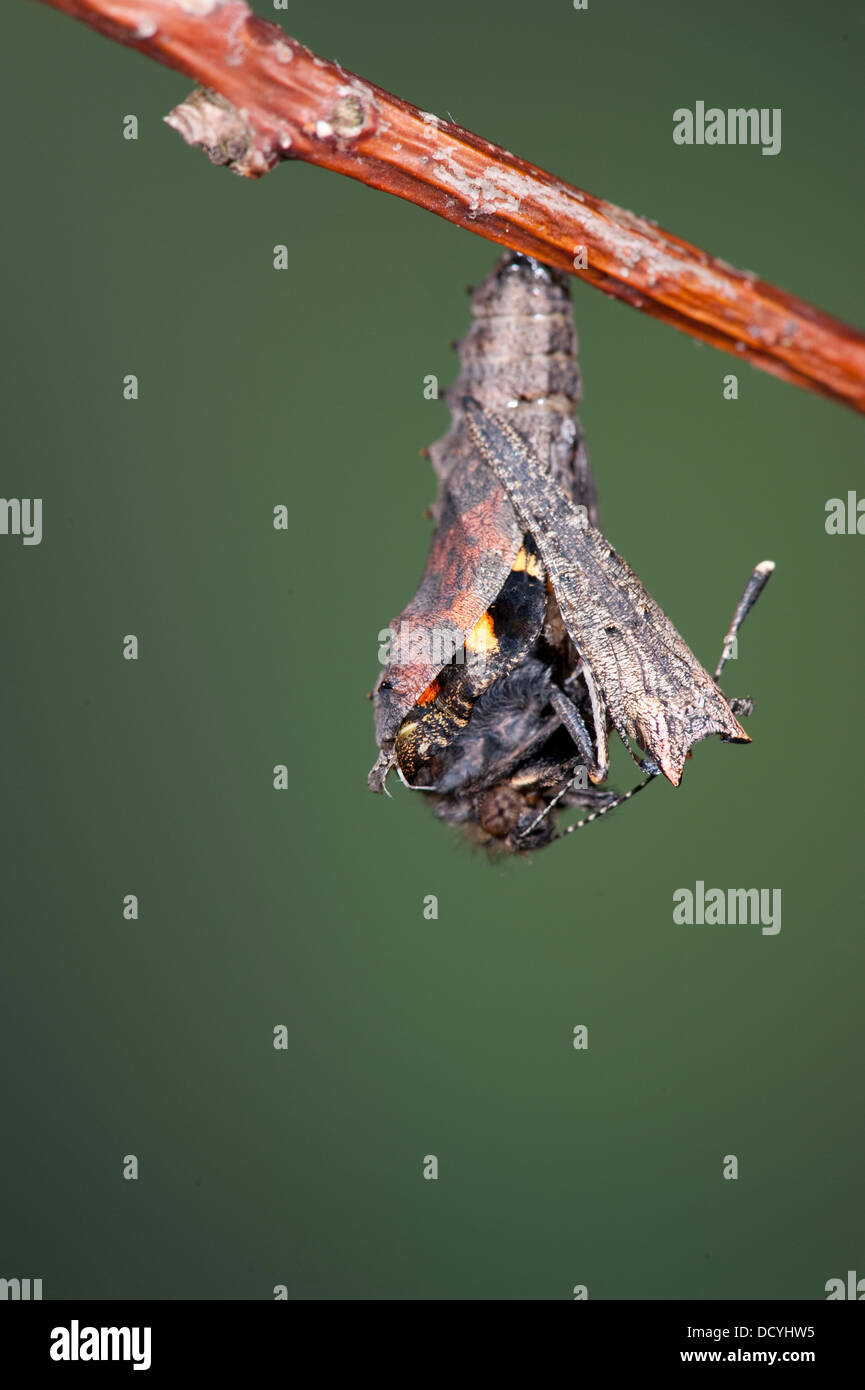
(410, 1037)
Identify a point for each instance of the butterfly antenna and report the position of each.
(549, 806)
(626, 796)
(753, 589)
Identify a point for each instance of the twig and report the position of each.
(278, 101)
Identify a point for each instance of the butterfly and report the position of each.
(550, 643)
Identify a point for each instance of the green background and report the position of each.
(410, 1037)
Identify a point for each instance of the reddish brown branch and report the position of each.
(283, 102)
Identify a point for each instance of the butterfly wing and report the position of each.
(472, 553)
(655, 689)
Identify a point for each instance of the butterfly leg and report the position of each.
(572, 721)
(595, 758)
(594, 753)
